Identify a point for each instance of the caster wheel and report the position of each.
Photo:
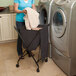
(17, 65)
(38, 70)
(46, 60)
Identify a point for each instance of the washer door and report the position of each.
(43, 16)
(59, 23)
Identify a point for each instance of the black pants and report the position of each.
(19, 40)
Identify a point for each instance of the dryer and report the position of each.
(44, 8)
(63, 35)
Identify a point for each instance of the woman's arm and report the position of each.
(18, 11)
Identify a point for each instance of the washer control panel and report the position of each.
(61, 2)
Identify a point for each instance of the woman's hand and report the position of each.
(37, 29)
(33, 7)
(24, 11)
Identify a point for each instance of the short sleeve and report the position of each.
(16, 1)
(33, 1)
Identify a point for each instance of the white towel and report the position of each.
(31, 18)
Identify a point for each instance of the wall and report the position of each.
(10, 2)
(36, 2)
(6, 2)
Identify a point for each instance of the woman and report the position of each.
(19, 6)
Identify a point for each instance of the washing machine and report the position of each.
(44, 8)
(63, 35)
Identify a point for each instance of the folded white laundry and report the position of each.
(31, 19)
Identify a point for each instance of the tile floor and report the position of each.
(8, 59)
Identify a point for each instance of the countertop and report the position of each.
(6, 11)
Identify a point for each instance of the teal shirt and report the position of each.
(22, 5)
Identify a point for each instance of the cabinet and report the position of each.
(0, 28)
(7, 22)
(14, 33)
(6, 29)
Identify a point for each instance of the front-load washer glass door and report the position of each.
(59, 23)
(43, 16)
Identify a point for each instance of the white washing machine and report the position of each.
(44, 8)
(63, 35)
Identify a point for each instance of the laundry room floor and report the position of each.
(8, 59)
